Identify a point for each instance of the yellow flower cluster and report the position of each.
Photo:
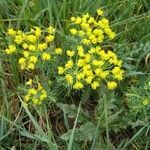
(91, 67)
(30, 45)
(91, 30)
(88, 63)
(35, 95)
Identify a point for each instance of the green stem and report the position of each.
(106, 119)
(3, 90)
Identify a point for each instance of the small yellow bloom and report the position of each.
(58, 51)
(25, 45)
(22, 60)
(27, 97)
(32, 48)
(95, 85)
(78, 20)
(72, 19)
(35, 101)
(100, 12)
(50, 30)
(89, 79)
(46, 56)
(31, 38)
(86, 41)
(38, 31)
(42, 46)
(111, 85)
(29, 82)
(61, 70)
(49, 38)
(69, 64)
(73, 31)
(33, 59)
(32, 91)
(81, 33)
(18, 39)
(69, 79)
(11, 49)
(39, 87)
(80, 63)
(26, 54)
(145, 102)
(80, 76)
(11, 32)
(78, 85)
(31, 66)
(70, 53)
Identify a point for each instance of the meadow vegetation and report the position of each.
(74, 74)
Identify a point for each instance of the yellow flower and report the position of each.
(27, 97)
(80, 76)
(42, 46)
(11, 49)
(58, 51)
(70, 53)
(111, 85)
(22, 60)
(25, 45)
(95, 85)
(100, 12)
(81, 33)
(26, 54)
(49, 38)
(32, 91)
(80, 51)
(69, 79)
(102, 74)
(39, 87)
(11, 32)
(61, 70)
(87, 58)
(33, 59)
(89, 79)
(73, 31)
(92, 50)
(38, 31)
(91, 20)
(32, 48)
(23, 66)
(31, 38)
(119, 77)
(98, 63)
(31, 66)
(145, 102)
(78, 20)
(80, 63)
(72, 19)
(78, 85)
(35, 101)
(69, 64)
(18, 39)
(29, 82)
(46, 56)
(50, 30)
(86, 41)
(43, 95)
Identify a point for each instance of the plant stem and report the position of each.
(3, 90)
(106, 118)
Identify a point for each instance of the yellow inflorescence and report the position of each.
(88, 63)
(30, 46)
(35, 95)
